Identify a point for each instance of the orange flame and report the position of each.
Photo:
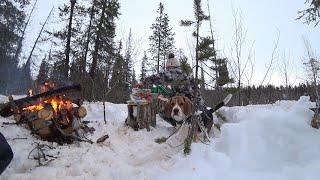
(56, 103)
(30, 92)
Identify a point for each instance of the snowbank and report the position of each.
(260, 142)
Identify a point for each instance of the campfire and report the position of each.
(49, 114)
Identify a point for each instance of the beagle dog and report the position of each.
(180, 108)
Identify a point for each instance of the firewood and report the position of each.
(42, 127)
(7, 110)
(45, 114)
(80, 112)
(103, 138)
(17, 117)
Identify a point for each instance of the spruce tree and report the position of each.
(128, 66)
(312, 13)
(221, 68)
(134, 79)
(143, 74)
(118, 84)
(104, 25)
(161, 40)
(12, 21)
(199, 18)
(43, 72)
(185, 66)
(69, 40)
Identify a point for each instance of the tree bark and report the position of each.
(159, 41)
(97, 42)
(215, 54)
(67, 52)
(23, 32)
(88, 38)
(141, 116)
(35, 43)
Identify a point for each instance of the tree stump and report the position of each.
(141, 115)
(160, 104)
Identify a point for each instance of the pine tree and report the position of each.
(134, 79)
(206, 52)
(312, 13)
(223, 77)
(12, 20)
(168, 39)
(143, 74)
(104, 27)
(199, 18)
(69, 40)
(185, 66)
(92, 37)
(162, 39)
(120, 87)
(128, 60)
(88, 36)
(68, 48)
(43, 72)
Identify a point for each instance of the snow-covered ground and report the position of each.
(260, 142)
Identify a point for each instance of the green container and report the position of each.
(161, 90)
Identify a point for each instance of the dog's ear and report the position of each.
(168, 108)
(188, 105)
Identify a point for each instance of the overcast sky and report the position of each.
(264, 20)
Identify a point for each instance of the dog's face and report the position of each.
(178, 108)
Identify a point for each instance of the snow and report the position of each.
(272, 141)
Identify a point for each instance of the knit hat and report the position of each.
(172, 62)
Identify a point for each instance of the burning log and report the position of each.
(45, 114)
(49, 114)
(10, 108)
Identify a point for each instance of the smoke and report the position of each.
(14, 80)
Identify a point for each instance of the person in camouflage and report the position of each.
(175, 82)
(6, 154)
(173, 79)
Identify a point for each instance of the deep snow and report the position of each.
(260, 142)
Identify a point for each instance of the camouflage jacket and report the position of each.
(174, 80)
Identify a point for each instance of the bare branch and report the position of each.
(273, 54)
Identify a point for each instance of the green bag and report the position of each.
(161, 90)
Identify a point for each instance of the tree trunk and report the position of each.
(193, 128)
(141, 116)
(67, 52)
(215, 54)
(202, 87)
(23, 33)
(97, 43)
(88, 38)
(35, 43)
(159, 46)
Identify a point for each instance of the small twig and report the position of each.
(41, 154)
(18, 138)
(9, 123)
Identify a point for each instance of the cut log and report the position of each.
(141, 116)
(42, 127)
(8, 109)
(45, 114)
(80, 112)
